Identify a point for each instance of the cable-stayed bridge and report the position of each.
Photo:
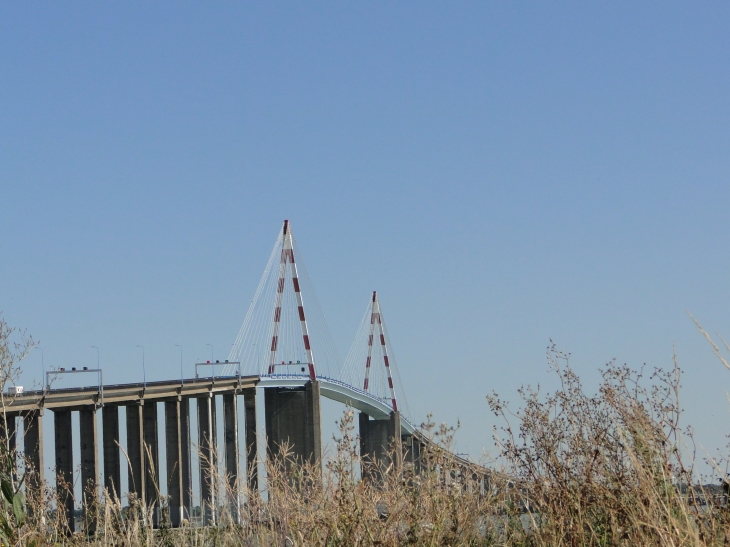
(283, 351)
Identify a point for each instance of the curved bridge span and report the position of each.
(339, 391)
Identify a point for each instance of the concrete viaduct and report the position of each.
(292, 416)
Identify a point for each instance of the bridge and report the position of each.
(274, 355)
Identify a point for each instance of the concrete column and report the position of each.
(8, 433)
(249, 402)
(135, 452)
(394, 440)
(152, 463)
(89, 464)
(173, 451)
(370, 458)
(407, 449)
(412, 453)
(185, 463)
(293, 418)
(33, 446)
(112, 467)
(313, 423)
(380, 445)
(363, 422)
(64, 468)
(230, 437)
(419, 450)
(207, 452)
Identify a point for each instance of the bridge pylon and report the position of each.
(376, 328)
(287, 259)
(381, 442)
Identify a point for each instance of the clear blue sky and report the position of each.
(502, 173)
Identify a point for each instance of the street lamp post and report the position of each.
(182, 381)
(43, 366)
(211, 357)
(144, 372)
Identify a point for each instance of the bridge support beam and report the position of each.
(252, 472)
(293, 418)
(230, 439)
(135, 451)
(174, 449)
(185, 462)
(110, 440)
(412, 453)
(380, 445)
(152, 467)
(33, 446)
(89, 465)
(64, 468)
(208, 464)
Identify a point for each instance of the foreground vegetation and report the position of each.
(576, 469)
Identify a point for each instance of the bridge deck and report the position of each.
(118, 394)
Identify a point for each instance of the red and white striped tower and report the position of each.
(287, 256)
(376, 323)
(370, 342)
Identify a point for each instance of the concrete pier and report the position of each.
(110, 439)
(380, 445)
(412, 453)
(173, 449)
(252, 472)
(230, 447)
(33, 446)
(88, 437)
(293, 418)
(208, 457)
(185, 462)
(64, 468)
(152, 463)
(135, 451)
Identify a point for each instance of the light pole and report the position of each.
(182, 382)
(144, 372)
(211, 357)
(43, 367)
(97, 356)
